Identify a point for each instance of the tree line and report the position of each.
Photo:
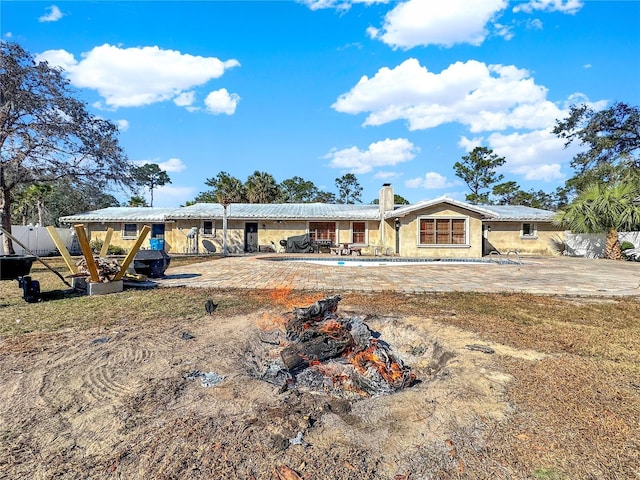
(57, 159)
(261, 187)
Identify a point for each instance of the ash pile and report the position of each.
(322, 352)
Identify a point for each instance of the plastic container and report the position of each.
(156, 243)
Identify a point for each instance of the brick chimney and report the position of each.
(386, 198)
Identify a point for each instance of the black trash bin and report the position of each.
(151, 263)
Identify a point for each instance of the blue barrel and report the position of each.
(156, 243)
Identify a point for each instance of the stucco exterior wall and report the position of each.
(501, 236)
(410, 234)
(269, 232)
(99, 231)
(506, 236)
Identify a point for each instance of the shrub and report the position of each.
(626, 246)
(558, 245)
(96, 246)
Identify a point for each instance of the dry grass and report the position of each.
(575, 413)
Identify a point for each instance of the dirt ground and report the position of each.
(116, 403)
(103, 387)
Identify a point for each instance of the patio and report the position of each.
(537, 275)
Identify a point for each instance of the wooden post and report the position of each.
(106, 243)
(132, 253)
(62, 248)
(86, 251)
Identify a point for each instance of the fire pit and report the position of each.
(323, 352)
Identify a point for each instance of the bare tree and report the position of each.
(46, 134)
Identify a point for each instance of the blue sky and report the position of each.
(391, 91)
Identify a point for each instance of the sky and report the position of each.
(390, 91)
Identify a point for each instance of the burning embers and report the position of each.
(340, 356)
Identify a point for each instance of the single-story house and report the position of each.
(438, 228)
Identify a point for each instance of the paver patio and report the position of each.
(537, 275)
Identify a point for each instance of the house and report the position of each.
(441, 227)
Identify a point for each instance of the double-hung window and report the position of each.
(129, 230)
(529, 230)
(359, 233)
(208, 228)
(443, 231)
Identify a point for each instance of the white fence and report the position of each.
(591, 245)
(38, 240)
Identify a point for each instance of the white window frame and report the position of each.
(534, 231)
(366, 232)
(124, 231)
(213, 229)
(444, 245)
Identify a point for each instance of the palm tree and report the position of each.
(137, 201)
(261, 188)
(604, 208)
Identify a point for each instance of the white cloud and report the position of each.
(564, 6)
(536, 155)
(437, 22)
(386, 175)
(8, 35)
(172, 195)
(430, 181)
(504, 31)
(534, 24)
(482, 97)
(337, 4)
(123, 125)
(173, 165)
(57, 58)
(587, 65)
(221, 101)
(379, 154)
(470, 143)
(185, 99)
(53, 14)
(132, 77)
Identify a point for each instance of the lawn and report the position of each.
(95, 387)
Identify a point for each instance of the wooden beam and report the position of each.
(62, 248)
(106, 243)
(132, 253)
(86, 251)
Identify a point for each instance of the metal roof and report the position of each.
(496, 213)
(236, 211)
(502, 213)
(406, 209)
(298, 211)
(120, 214)
(278, 211)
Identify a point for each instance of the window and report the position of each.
(529, 230)
(443, 231)
(322, 231)
(129, 230)
(359, 233)
(208, 228)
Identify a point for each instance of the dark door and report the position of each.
(250, 237)
(157, 230)
(156, 242)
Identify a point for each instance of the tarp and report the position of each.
(300, 244)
